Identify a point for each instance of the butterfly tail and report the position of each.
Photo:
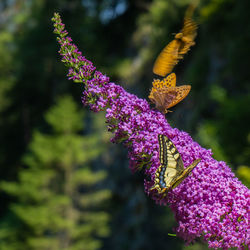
(194, 163)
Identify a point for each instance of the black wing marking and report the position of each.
(163, 149)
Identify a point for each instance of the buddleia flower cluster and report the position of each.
(211, 203)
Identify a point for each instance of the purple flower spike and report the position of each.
(211, 203)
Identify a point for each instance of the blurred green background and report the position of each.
(63, 184)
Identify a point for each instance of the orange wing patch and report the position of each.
(181, 93)
(169, 81)
(189, 32)
(167, 59)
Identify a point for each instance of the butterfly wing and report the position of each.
(163, 98)
(170, 80)
(188, 37)
(162, 149)
(163, 162)
(167, 59)
(189, 31)
(181, 93)
(171, 165)
(185, 173)
(174, 164)
(159, 100)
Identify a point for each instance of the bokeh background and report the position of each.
(63, 185)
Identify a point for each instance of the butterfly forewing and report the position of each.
(189, 33)
(189, 30)
(174, 164)
(177, 48)
(167, 59)
(170, 80)
(181, 93)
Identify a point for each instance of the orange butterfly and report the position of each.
(165, 94)
(177, 48)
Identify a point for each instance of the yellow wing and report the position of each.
(167, 59)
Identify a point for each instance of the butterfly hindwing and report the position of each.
(163, 98)
(185, 173)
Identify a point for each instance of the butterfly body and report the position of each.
(171, 172)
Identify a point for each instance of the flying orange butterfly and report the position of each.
(165, 94)
(177, 48)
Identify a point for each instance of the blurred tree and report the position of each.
(243, 173)
(7, 78)
(59, 199)
(31, 77)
